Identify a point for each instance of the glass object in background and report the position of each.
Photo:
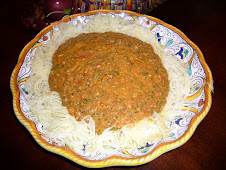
(139, 6)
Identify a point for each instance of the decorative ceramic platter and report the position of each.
(195, 108)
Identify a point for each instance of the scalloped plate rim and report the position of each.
(114, 160)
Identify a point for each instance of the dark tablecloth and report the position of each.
(203, 21)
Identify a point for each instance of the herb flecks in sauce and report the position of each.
(115, 78)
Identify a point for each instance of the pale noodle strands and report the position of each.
(60, 126)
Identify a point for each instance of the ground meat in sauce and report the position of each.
(115, 78)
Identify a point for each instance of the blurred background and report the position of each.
(40, 13)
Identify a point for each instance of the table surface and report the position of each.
(202, 21)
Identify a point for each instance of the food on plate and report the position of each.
(92, 70)
(114, 78)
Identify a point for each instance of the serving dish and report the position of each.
(195, 108)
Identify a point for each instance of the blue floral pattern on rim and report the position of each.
(174, 44)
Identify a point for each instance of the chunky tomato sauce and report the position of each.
(115, 78)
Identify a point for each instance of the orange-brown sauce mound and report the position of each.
(115, 78)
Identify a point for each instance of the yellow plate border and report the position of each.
(114, 160)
